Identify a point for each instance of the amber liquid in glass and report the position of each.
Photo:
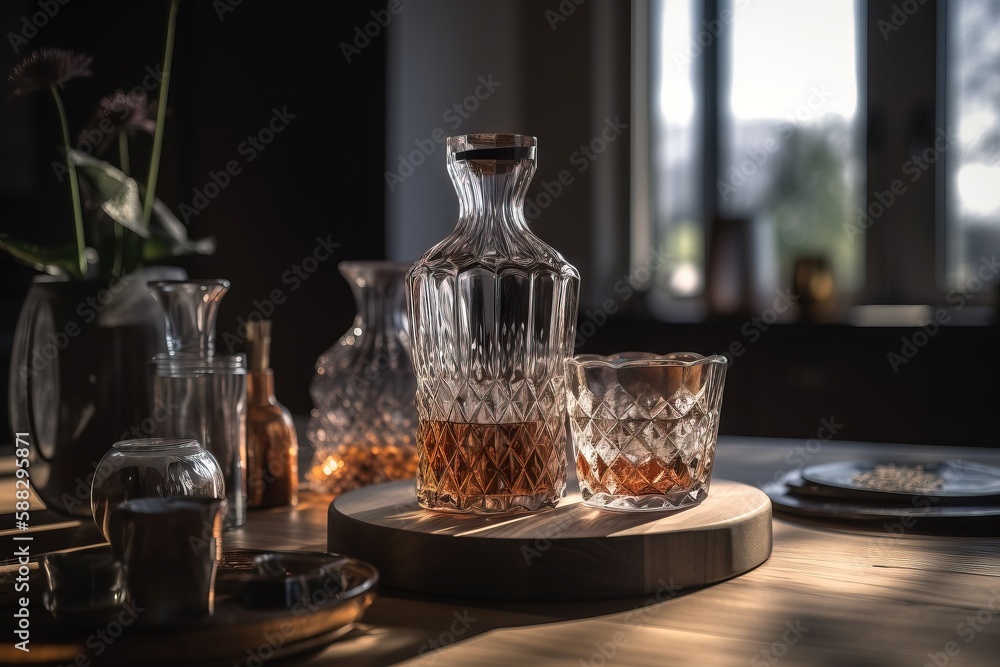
(495, 467)
(654, 476)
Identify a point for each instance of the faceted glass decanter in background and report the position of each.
(363, 423)
(493, 313)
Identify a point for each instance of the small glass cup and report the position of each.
(644, 427)
(151, 468)
(171, 549)
(83, 583)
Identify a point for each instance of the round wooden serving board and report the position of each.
(572, 552)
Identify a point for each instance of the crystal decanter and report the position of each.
(363, 423)
(493, 314)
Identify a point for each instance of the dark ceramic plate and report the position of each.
(278, 631)
(961, 482)
(281, 579)
(924, 515)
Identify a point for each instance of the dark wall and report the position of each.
(791, 380)
(321, 176)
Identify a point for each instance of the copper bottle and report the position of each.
(272, 445)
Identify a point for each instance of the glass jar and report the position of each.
(151, 468)
(206, 400)
(197, 393)
(493, 312)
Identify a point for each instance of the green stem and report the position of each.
(119, 230)
(74, 186)
(119, 249)
(123, 151)
(161, 116)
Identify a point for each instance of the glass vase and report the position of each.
(363, 423)
(493, 312)
(198, 393)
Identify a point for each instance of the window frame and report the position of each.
(900, 112)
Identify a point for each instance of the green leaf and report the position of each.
(165, 224)
(166, 227)
(155, 249)
(60, 261)
(120, 196)
(117, 193)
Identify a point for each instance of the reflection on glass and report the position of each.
(972, 227)
(791, 160)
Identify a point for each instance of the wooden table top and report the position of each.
(826, 596)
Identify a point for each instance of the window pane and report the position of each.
(676, 150)
(972, 225)
(792, 141)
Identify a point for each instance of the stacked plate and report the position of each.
(954, 497)
(268, 605)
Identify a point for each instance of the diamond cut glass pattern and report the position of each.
(493, 311)
(363, 423)
(644, 427)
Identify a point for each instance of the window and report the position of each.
(789, 137)
(972, 107)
